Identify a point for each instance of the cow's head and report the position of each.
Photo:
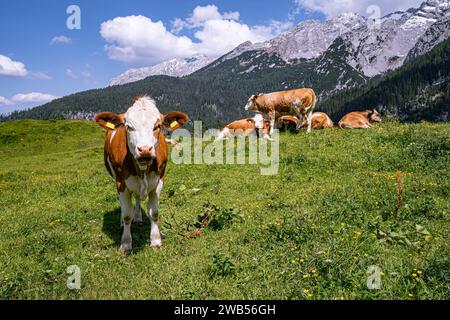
(251, 104)
(261, 124)
(258, 119)
(143, 123)
(374, 116)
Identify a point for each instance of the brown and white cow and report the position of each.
(246, 127)
(360, 120)
(319, 120)
(298, 102)
(135, 155)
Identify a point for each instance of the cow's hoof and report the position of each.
(156, 244)
(125, 248)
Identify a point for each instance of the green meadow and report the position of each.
(343, 202)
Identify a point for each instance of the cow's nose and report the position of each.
(145, 151)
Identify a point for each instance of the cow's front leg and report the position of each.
(127, 217)
(153, 209)
(272, 122)
(137, 210)
(300, 118)
(309, 121)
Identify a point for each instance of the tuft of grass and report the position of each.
(221, 265)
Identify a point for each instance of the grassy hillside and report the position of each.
(342, 202)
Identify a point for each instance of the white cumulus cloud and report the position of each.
(332, 8)
(140, 40)
(200, 15)
(9, 67)
(5, 102)
(32, 97)
(60, 39)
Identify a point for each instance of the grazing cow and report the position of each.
(135, 156)
(246, 127)
(319, 120)
(298, 102)
(360, 120)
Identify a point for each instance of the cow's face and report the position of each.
(375, 116)
(143, 123)
(251, 104)
(259, 121)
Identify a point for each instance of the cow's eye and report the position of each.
(129, 128)
(155, 128)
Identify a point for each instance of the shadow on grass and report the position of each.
(140, 232)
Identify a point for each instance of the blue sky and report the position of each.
(105, 46)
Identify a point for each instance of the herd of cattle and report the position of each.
(293, 110)
(136, 153)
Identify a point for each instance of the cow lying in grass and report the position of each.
(246, 127)
(298, 102)
(135, 156)
(360, 120)
(319, 120)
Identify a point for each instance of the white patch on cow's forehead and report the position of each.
(142, 112)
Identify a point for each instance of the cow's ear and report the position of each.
(109, 120)
(174, 120)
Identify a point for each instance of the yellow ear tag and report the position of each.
(110, 125)
(174, 124)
